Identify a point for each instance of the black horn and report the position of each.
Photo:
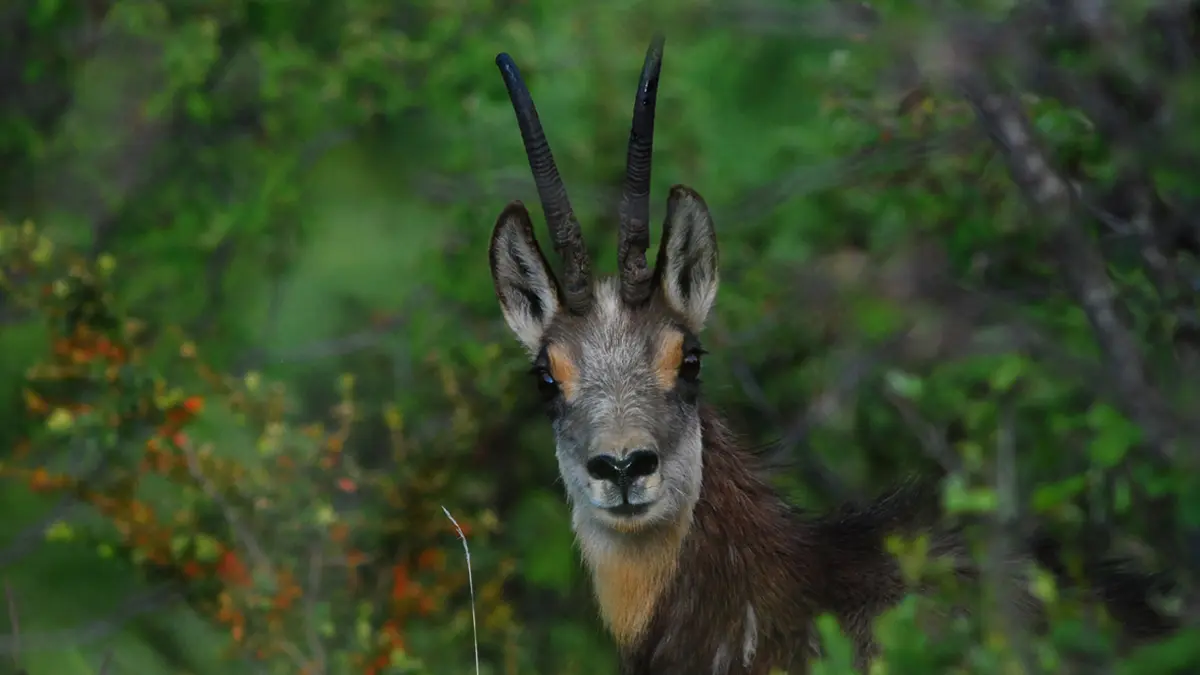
(634, 236)
(564, 227)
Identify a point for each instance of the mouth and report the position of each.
(627, 510)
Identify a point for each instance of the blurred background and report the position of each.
(250, 347)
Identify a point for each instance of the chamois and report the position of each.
(697, 564)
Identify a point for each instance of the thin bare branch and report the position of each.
(243, 534)
(152, 600)
(470, 584)
(315, 645)
(1055, 204)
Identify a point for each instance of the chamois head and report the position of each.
(616, 360)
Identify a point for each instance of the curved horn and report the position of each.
(634, 236)
(564, 227)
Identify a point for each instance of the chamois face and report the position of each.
(620, 380)
(617, 361)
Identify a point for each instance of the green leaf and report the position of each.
(908, 386)
(207, 548)
(1113, 435)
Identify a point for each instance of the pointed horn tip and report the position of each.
(508, 68)
(652, 66)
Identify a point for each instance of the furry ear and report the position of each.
(686, 271)
(526, 287)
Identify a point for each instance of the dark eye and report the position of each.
(689, 370)
(547, 385)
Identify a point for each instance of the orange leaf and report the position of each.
(35, 403)
(232, 570)
(193, 404)
(431, 558)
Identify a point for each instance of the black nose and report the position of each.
(622, 470)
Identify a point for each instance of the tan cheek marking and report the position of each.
(668, 359)
(628, 586)
(563, 370)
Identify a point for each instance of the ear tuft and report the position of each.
(687, 272)
(525, 286)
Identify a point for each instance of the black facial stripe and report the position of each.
(543, 358)
(691, 343)
(685, 269)
(527, 274)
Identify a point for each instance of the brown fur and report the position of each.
(668, 358)
(628, 582)
(563, 369)
(747, 548)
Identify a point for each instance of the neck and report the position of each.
(735, 549)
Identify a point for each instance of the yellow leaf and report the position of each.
(106, 263)
(393, 418)
(207, 548)
(1043, 586)
(59, 531)
(325, 515)
(60, 420)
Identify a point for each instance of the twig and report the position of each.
(243, 534)
(933, 440)
(33, 535)
(470, 584)
(105, 663)
(144, 603)
(314, 584)
(1054, 202)
(1004, 531)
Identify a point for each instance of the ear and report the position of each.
(686, 271)
(527, 290)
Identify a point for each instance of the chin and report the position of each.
(629, 519)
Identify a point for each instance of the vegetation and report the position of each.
(251, 348)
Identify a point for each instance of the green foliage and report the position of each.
(279, 212)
